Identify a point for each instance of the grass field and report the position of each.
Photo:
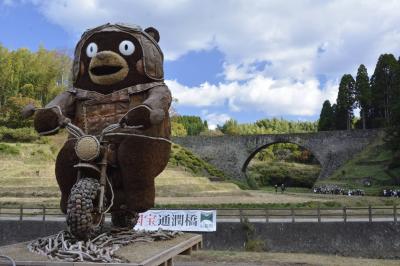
(27, 177)
(369, 165)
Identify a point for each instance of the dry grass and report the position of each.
(28, 178)
(175, 182)
(246, 197)
(354, 201)
(268, 258)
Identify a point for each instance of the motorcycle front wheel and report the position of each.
(83, 220)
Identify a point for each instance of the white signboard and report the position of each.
(178, 220)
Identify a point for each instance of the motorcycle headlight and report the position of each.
(87, 148)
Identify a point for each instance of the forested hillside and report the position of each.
(29, 77)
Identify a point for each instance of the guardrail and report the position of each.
(345, 214)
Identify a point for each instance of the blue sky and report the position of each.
(240, 59)
(23, 26)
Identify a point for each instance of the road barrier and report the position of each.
(345, 214)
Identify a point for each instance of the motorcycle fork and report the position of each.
(103, 178)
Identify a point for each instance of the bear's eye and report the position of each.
(91, 49)
(126, 47)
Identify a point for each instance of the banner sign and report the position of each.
(178, 220)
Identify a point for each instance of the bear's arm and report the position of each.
(159, 98)
(66, 102)
(48, 120)
(152, 111)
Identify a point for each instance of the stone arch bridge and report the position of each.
(232, 154)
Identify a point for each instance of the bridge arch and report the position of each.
(232, 154)
(257, 150)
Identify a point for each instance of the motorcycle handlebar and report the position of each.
(77, 132)
(74, 130)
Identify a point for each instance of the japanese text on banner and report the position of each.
(178, 220)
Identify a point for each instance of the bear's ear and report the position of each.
(153, 33)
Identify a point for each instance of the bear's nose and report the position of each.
(102, 55)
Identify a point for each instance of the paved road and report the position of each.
(222, 220)
(224, 263)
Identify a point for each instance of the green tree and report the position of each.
(267, 126)
(284, 126)
(43, 73)
(363, 93)
(11, 111)
(230, 127)
(345, 103)
(193, 124)
(393, 131)
(326, 117)
(205, 123)
(384, 88)
(5, 74)
(178, 130)
(36, 75)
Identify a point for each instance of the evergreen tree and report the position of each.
(363, 93)
(393, 132)
(334, 108)
(205, 125)
(326, 118)
(345, 103)
(384, 88)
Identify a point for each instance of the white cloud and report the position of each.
(215, 119)
(299, 39)
(286, 33)
(272, 97)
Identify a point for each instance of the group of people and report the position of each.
(282, 186)
(336, 190)
(391, 192)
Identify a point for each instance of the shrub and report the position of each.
(25, 134)
(11, 112)
(293, 175)
(252, 182)
(41, 154)
(8, 149)
(178, 130)
(182, 157)
(252, 242)
(255, 245)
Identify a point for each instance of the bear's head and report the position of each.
(115, 56)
